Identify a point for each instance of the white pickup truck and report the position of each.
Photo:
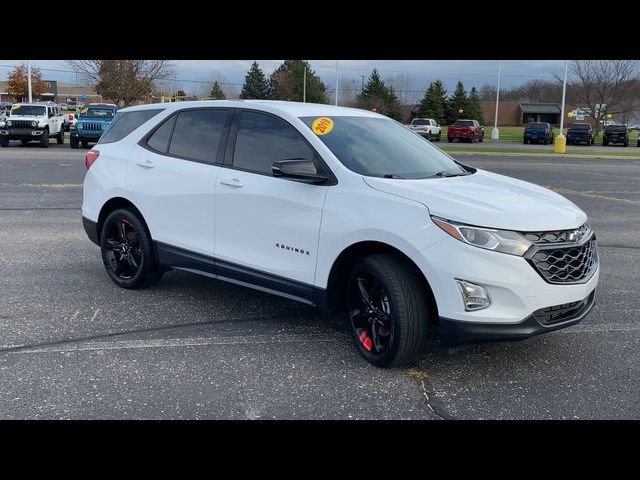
(30, 122)
(427, 127)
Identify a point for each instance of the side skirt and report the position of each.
(189, 261)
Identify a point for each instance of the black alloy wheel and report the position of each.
(126, 250)
(388, 311)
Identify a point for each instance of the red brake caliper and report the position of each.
(365, 340)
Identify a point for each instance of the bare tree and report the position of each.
(402, 86)
(488, 93)
(123, 81)
(605, 83)
(349, 89)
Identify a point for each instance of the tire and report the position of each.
(60, 137)
(626, 144)
(450, 139)
(85, 144)
(439, 137)
(396, 292)
(605, 143)
(481, 139)
(4, 142)
(74, 142)
(44, 139)
(138, 269)
(525, 141)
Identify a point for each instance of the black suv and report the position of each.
(615, 134)
(580, 133)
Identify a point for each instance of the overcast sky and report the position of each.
(194, 76)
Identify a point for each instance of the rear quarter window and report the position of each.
(126, 122)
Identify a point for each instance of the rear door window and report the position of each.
(197, 134)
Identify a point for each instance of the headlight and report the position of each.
(34, 124)
(9, 122)
(504, 241)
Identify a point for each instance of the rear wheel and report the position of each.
(127, 251)
(450, 139)
(85, 144)
(4, 141)
(388, 311)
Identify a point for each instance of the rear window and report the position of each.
(126, 122)
(421, 122)
(538, 125)
(616, 128)
(580, 126)
(464, 123)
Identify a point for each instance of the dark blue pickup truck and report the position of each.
(538, 132)
(615, 134)
(580, 133)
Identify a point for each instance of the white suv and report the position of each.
(340, 208)
(29, 122)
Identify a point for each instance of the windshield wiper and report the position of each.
(391, 175)
(447, 175)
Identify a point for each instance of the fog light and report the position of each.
(474, 297)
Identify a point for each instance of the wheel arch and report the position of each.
(116, 203)
(339, 273)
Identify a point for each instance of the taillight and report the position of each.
(92, 156)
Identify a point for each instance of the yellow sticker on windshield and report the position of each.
(322, 125)
(84, 110)
(15, 106)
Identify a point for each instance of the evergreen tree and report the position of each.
(255, 84)
(216, 92)
(433, 104)
(287, 83)
(474, 106)
(376, 94)
(458, 101)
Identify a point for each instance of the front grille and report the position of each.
(564, 312)
(91, 127)
(557, 236)
(571, 264)
(20, 124)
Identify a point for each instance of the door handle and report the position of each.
(145, 164)
(231, 182)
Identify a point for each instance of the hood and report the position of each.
(26, 117)
(488, 200)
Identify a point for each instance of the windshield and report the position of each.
(537, 125)
(581, 126)
(29, 110)
(97, 113)
(382, 147)
(421, 122)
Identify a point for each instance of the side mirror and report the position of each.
(298, 169)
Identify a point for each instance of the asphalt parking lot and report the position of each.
(72, 345)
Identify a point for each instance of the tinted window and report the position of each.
(421, 122)
(159, 141)
(263, 139)
(538, 125)
(616, 128)
(125, 123)
(379, 146)
(464, 123)
(580, 126)
(197, 134)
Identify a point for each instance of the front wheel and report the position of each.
(60, 137)
(4, 142)
(127, 251)
(44, 139)
(74, 142)
(388, 311)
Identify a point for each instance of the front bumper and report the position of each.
(454, 332)
(22, 133)
(87, 137)
(515, 288)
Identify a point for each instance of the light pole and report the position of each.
(495, 133)
(560, 145)
(304, 85)
(29, 80)
(337, 78)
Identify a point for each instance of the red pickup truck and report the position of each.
(465, 130)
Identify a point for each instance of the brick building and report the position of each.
(58, 93)
(511, 114)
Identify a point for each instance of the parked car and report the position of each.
(342, 209)
(465, 130)
(29, 122)
(427, 127)
(92, 122)
(615, 134)
(580, 133)
(538, 132)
